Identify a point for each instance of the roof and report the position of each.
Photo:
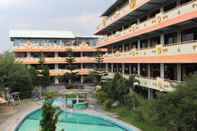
(41, 34)
(47, 34)
(113, 7)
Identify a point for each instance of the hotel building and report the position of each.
(30, 45)
(154, 39)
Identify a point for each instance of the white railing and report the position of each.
(156, 84)
(159, 18)
(108, 20)
(189, 47)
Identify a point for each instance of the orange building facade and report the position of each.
(29, 46)
(154, 39)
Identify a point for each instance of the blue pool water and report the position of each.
(71, 122)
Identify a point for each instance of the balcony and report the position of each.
(61, 72)
(121, 13)
(56, 60)
(175, 53)
(180, 14)
(156, 84)
(30, 48)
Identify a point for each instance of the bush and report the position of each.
(107, 104)
(177, 111)
(101, 96)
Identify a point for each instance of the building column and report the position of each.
(106, 67)
(56, 67)
(81, 54)
(81, 65)
(162, 71)
(162, 39)
(138, 69)
(179, 72)
(179, 37)
(150, 94)
(56, 80)
(138, 21)
(123, 47)
(112, 67)
(130, 69)
(82, 79)
(123, 69)
(149, 73)
(149, 42)
(56, 55)
(138, 44)
(28, 54)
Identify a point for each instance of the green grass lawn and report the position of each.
(132, 118)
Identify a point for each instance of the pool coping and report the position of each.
(101, 115)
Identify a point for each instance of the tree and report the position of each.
(43, 75)
(49, 117)
(97, 74)
(71, 75)
(15, 76)
(177, 111)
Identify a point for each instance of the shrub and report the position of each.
(177, 111)
(107, 104)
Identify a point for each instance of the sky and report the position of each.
(79, 16)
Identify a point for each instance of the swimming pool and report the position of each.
(71, 122)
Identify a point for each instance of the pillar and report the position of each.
(28, 55)
(82, 66)
(56, 67)
(179, 72)
(56, 80)
(130, 70)
(82, 79)
(123, 47)
(123, 69)
(149, 73)
(106, 67)
(138, 21)
(138, 44)
(56, 55)
(150, 93)
(162, 41)
(179, 37)
(162, 71)
(81, 54)
(138, 69)
(112, 67)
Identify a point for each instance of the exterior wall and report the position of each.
(28, 51)
(165, 60)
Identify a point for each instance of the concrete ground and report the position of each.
(11, 118)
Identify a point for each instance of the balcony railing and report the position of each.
(189, 47)
(55, 60)
(61, 72)
(118, 14)
(156, 84)
(32, 48)
(138, 29)
(125, 10)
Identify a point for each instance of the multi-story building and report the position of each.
(154, 39)
(29, 46)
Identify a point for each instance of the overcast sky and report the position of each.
(80, 16)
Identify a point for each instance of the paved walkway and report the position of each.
(8, 121)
